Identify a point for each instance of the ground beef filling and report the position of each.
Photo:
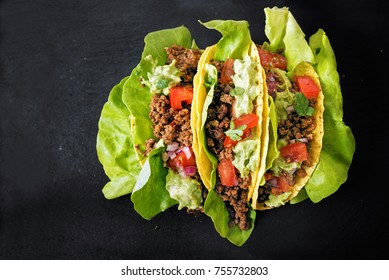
(169, 124)
(219, 118)
(293, 128)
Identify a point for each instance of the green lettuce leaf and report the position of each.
(150, 196)
(236, 39)
(338, 141)
(215, 208)
(136, 96)
(211, 78)
(283, 32)
(114, 146)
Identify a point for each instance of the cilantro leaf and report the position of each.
(301, 105)
(235, 133)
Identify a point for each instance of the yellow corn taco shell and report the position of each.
(303, 69)
(207, 167)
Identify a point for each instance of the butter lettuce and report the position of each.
(150, 196)
(338, 141)
(216, 209)
(114, 146)
(236, 39)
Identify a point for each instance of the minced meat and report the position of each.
(186, 61)
(218, 121)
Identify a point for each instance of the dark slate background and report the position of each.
(58, 62)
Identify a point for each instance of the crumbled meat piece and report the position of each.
(236, 200)
(150, 143)
(186, 61)
(296, 127)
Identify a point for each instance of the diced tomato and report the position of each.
(307, 86)
(227, 174)
(295, 152)
(180, 94)
(227, 71)
(228, 142)
(181, 160)
(269, 59)
(250, 120)
(281, 187)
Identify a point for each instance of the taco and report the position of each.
(158, 95)
(296, 113)
(228, 127)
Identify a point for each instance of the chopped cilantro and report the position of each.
(235, 133)
(301, 105)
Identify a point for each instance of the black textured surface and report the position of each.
(58, 62)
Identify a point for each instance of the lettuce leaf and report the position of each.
(150, 196)
(114, 145)
(236, 39)
(283, 32)
(338, 141)
(216, 209)
(138, 97)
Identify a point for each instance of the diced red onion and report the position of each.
(172, 147)
(187, 152)
(171, 154)
(272, 182)
(190, 170)
(303, 140)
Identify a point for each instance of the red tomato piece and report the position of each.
(228, 142)
(295, 152)
(307, 86)
(281, 187)
(181, 160)
(226, 172)
(251, 120)
(180, 94)
(269, 59)
(227, 71)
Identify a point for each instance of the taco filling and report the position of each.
(229, 127)
(170, 115)
(298, 105)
